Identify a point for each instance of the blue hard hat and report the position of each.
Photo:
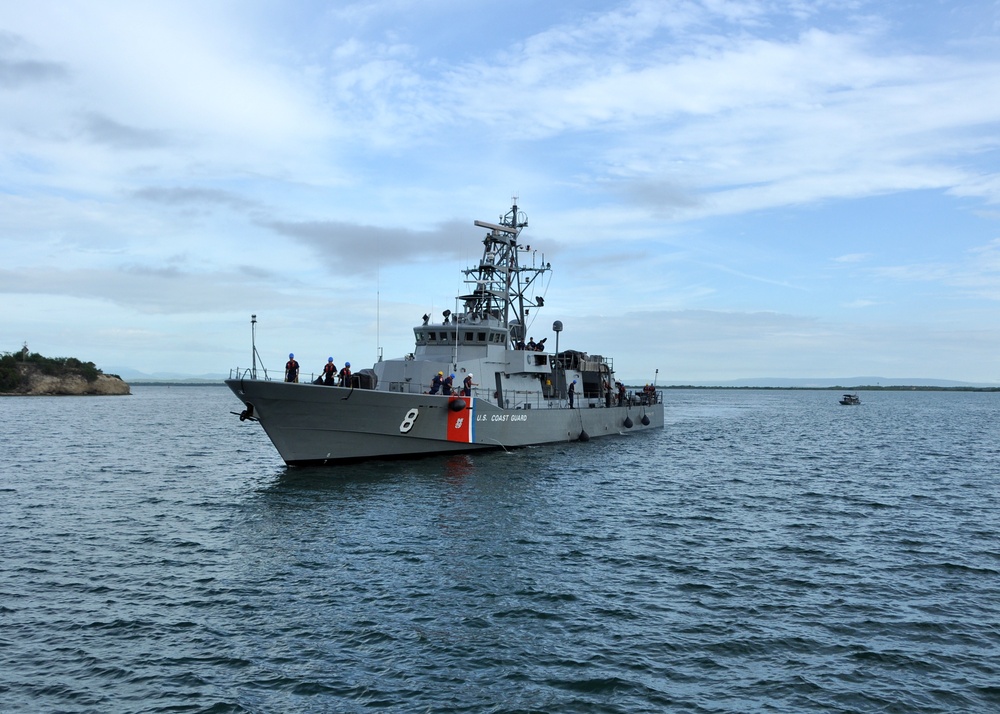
(329, 359)
(574, 381)
(347, 364)
(290, 355)
(452, 375)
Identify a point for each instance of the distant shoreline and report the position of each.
(858, 388)
(178, 383)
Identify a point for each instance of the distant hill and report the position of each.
(135, 376)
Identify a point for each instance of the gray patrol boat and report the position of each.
(520, 393)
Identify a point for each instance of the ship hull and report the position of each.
(313, 424)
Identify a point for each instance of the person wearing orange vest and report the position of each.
(345, 375)
(291, 369)
(329, 372)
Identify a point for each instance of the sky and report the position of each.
(725, 189)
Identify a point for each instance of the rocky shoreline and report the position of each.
(68, 384)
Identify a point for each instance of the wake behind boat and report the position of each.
(518, 393)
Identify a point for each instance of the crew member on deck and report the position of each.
(329, 372)
(446, 384)
(436, 382)
(345, 375)
(572, 393)
(291, 369)
(532, 347)
(467, 385)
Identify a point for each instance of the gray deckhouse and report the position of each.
(486, 337)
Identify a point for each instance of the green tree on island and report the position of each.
(13, 374)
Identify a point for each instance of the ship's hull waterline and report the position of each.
(314, 424)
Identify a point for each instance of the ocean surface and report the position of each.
(769, 551)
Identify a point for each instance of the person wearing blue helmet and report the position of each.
(329, 372)
(291, 369)
(446, 384)
(345, 375)
(572, 393)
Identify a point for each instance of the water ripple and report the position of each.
(769, 551)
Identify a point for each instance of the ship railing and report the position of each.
(514, 399)
(248, 373)
(639, 398)
(520, 399)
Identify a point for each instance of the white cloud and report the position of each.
(183, 161)
(853, 258)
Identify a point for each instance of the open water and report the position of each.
(769, 551)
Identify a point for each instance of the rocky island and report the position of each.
(27, 373)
